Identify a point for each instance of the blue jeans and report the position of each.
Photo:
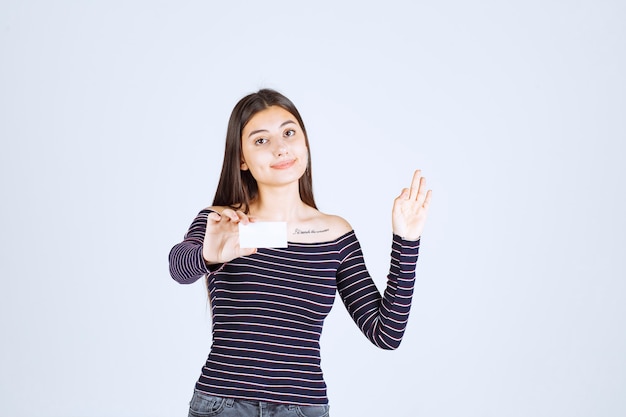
(203, 405)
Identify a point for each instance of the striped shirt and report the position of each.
(268, 310)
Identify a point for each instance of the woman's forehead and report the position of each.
(272, 117)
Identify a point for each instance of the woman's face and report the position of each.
(273, 147)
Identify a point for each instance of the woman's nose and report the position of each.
(281, 148)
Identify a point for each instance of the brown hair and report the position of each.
(237, 188)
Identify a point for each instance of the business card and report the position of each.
(263, 235)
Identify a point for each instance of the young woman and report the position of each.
(268, 304)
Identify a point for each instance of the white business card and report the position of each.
(263, 235)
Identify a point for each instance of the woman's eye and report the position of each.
(260, 141)
(290, 133)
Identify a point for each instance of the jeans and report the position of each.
(203, 405)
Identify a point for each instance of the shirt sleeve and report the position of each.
(382, 320)
(186, 262)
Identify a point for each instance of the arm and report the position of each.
(382, 320)
(211, 241)
(187, 264)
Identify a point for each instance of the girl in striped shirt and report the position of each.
(268, 305)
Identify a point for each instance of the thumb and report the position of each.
(247, 251)
(404, 194)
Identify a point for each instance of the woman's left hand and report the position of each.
(410, 209)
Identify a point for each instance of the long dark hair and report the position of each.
(237, 188)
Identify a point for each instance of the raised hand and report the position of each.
(410, 209)
(221, 239)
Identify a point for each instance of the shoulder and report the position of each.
(338, 225)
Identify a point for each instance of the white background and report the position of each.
(112, 121)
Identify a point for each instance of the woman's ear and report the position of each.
(243, 166)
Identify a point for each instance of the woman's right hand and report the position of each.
(221, 239)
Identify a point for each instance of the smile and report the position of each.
(283, 164)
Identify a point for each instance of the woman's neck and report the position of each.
(278, 204)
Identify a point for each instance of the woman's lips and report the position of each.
(284, 164)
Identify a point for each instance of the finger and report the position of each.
(247, 251)
(415, 184)
(404, 194)
(421, 193)
(214, 216)
(427, 200)
(398, 201)
(230, 215)
(243, 217)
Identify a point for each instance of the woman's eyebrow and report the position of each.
(254, 132)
